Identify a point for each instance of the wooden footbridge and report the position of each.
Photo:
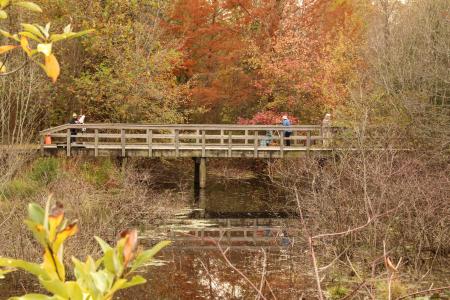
(186, 140)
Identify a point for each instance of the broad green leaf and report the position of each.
(29, 5)
(104, 245)
(136, 280)
(6, 48)
(30, 35)
(34, 29)
(74, 290)
(45, 49)
(9, 35)
(52, 67)
(53, 266)
(55, 286)
(3, 14)
(38, 231)
(31, 268)
(36, 213)
(59, 37)
(111, 262)
(102, 281)
(147, 255)
(33, 297)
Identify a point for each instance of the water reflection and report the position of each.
(251, 222)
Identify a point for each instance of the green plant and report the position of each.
(45, 170)
(94, 279)
(337, 292)
(98, 174)
(19, 187)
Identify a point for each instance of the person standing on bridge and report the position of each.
(287, 133)
(73, 131)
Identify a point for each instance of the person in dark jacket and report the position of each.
(73, 131)
(287, 133)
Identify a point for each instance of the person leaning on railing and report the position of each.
(73, 131)
(287, 133)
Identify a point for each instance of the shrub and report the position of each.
(94, 279)
(98, 174)
(44, 170)
(19, 188)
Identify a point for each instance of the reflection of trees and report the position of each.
(194, 274)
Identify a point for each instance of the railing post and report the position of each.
(41, 141)
(282, 144)
(246, 134)
(308, 141)
(96, 143)
(326, 131)
(255, 151)
(150, 142)
(122, 141)
(221, 136)
(203, 143)
(230, 141)
(177, 143)
(68, 142)
(197, 140)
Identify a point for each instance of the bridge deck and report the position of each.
(184, 140)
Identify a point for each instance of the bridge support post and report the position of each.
(326, 131)
(200, 173)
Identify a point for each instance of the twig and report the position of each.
(424, 292)
(270, 289)
(263, 274)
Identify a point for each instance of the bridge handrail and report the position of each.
(126, 126)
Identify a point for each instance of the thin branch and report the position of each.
(15, 70)
(425, 292)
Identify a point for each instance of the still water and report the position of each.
(234, 239)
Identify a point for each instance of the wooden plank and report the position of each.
(230, 143)
(203, 143)
(96, 143)
(177, 143)
(122, 141)
(308, 142)
(68, 142)
(150, 142)
(255, 153)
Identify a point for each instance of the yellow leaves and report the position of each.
(2, 67)
(29, 5)
(25, 45)
(51, 67)
(6, 48)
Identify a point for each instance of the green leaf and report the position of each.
(31, 36)
(31, 268)
(34, 29)
(3, 14)
(55, 286)
(147, 255)
(74, 290)
(9, 35)
(36, 213)
(136, 280)
(104, 245)
(111, 262)
(29, 5)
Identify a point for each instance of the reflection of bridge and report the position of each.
(188, 140)
(234, 233)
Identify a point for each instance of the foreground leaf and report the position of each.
(52, 67)
(6, 48)
(29, 5)
(146, 256)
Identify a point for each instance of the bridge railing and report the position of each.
(185, 137)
